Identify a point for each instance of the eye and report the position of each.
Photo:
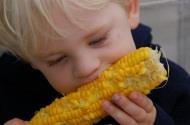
(98, 41)
(62, 59)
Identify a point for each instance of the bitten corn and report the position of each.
(140, 70)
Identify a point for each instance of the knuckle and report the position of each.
(150, 106)
(141, 116)
(146, 101)
(119, 117)
(123, 102)
(151, 116)
(149, 102)
(110, 108)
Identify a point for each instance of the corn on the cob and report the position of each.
(140, 70)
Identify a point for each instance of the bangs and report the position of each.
(32, 25)
(43, 21)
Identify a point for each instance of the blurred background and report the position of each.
(170, 22)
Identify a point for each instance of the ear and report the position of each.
(133, 13)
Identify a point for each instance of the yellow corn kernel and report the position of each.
(140, 70)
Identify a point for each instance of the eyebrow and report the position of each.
(47, 55)
(99, 30)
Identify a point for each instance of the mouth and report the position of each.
(91, 78)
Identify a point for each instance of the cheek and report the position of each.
(120, 46)
(60, 79)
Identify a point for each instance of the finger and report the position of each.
(136, 112)
(16, 121)
(142, 100)
(120, 116)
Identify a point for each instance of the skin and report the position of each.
(80, 59)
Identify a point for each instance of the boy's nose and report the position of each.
(86, 67)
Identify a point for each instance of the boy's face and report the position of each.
(82, 55)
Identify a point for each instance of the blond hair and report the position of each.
(23, 21)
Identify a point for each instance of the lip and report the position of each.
(90, 78)
(93, 76)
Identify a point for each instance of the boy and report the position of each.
(76, 41)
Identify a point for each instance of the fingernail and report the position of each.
(135, 95)
(116, 97)
(106, 103)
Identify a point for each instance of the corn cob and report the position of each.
(140, 70)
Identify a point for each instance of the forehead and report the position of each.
(79, 22)
(66, 21)
(73, 17)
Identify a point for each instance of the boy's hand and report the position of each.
(16, 121)
(137, 109)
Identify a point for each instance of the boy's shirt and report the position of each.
(24, 90)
